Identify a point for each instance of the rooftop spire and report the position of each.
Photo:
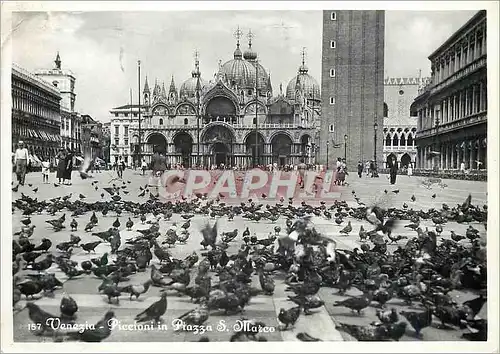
(172, 84)
(196, 72)
(250, 54)
(303, 69)
(237, 34)
(146, 86)
(250, 35)
(58, 61)
(163, 92)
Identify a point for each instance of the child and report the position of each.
(45, 171)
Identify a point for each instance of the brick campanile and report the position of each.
(352, 85)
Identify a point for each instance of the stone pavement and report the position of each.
(320, 324)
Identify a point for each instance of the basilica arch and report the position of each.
(281, 146)
(157, 143)
(254, 156)
(183, 145)
(218, 144)
(220, 106)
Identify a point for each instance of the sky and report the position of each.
(102, 48)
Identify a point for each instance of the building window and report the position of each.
(332, 100)
(126, 141)
(388, 140)
(331, 128)
(333, 16)
(117, 141)
(332, 72)
(117, 130)
(116, 114)
(135, 114)
(161, 121)
(254, 121)
(401, 92)
(386, 110)
(126, 130)
(126, 114)
(332, 44)
(249, 92)
(185, 121)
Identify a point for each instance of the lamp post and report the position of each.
(256, 161)
(139, 152)
(345, 148)
(198, 117)
(375, 127)
(327, 153)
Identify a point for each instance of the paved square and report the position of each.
(320, 324)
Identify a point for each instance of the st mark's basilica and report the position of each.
(235, 119)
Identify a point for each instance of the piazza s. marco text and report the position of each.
(178, 325)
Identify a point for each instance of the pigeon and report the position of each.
(137, 290)
(73, 225)
(346, 230)
(305, 337)
(129, 224)
(40, 318)
(68, 307)
(290, 316)
(155, 311)
(356, 303)
(90, 247)
(98, 332)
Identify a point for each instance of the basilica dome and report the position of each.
(239, 71)
(188, 88)
(307, 83)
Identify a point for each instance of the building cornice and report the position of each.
(31, 78)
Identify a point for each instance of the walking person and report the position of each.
(45, 170)
(393, 170)
(68, 170)
(302, 170)
(462, 167)
(123, 167)
(21, 157)
(410, 170)
(61, 165)
(360, 169)
(144, 166)
(119, 168)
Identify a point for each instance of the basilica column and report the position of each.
(481, 96)
(445, 163)
(474, 110)
(479, 155)
(470, 147)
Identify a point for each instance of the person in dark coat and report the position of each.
(360, 169)
(61, 165)
(69, 167)
(393, 170)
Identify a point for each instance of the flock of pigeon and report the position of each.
(422, 271)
